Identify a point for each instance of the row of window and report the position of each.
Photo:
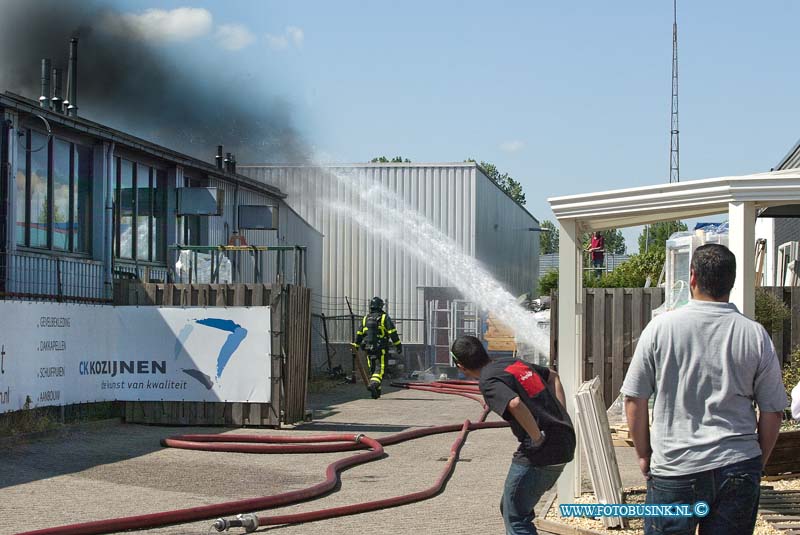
(140, 212)
(53, 193)
(54, 196)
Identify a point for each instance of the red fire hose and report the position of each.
(308, 444)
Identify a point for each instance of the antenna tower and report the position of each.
(674, 146)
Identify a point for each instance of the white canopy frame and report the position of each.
(739, 196)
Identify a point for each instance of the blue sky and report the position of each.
(567, 97)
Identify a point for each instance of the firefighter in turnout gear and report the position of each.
(376, 336)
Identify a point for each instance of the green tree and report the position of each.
(504, 181)
(384, 159)
(634, 272)
(548, 282)
(655, 236)
(548, 237)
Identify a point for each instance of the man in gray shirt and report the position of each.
(706, 364)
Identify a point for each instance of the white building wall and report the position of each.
(765, 229)
(359, 264)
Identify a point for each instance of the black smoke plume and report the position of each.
(131, 85)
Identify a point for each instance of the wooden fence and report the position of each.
(615, 317)
(291, 337)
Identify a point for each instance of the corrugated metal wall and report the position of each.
(292, 230)
(504, 242)
(358, 264)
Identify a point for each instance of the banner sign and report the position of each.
(64, 353)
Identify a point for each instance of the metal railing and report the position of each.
(143, 273)
(27, 275)
(549, 262)
(240, 264)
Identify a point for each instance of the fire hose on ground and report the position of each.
(306, 444)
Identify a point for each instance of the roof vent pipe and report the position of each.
(55, 93)
(44, 99)
(71, 104)
(228, 161)
(218, 157)
(233, 163)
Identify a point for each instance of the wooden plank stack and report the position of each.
(785, 457)
(499, 337)
(781, 508)
(621, 436)
(595, 434)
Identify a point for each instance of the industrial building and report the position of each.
(780, 227)
(457, 198)
(85, 205)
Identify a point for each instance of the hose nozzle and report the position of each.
(247, 521)
(223, 524)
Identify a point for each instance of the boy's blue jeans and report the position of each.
(732, 493)
(524, 486)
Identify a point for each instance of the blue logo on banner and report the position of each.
(229, 347)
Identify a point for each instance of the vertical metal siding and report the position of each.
(510, 251)
(358, 264)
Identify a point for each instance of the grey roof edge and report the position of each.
(20, 103)
(521, 207)
(788, 156)
(475, 165)
(364, 164)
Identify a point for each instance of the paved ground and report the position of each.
(117, 470)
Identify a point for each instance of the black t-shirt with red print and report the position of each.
(504, 379)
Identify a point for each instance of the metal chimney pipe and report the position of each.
(44, 99)
(55, 95)
(71, 104)
(218, 157)
(228, 161)
(233, 163)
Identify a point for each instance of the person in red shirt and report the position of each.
(596, 250)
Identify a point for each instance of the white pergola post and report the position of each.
(742, 242)
(570, 340)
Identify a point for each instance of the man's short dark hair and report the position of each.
(714, 268)
(470, 353)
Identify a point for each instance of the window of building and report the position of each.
(53, 193)
(62, 193)
(38, 176)
(140, 208)
(22, 194)
(189, 225)
(83, 170)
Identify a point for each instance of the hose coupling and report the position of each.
(358, 437)
(248, 521)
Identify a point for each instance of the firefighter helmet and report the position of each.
(376, 303)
